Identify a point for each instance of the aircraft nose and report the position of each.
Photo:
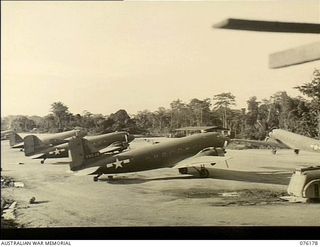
(227, 140)
(81, 132)
(130, 138)
(270, 134)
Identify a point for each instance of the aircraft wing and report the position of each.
(68, 139)
(114, 147)
(201, 160)
(55, 141)
(84, 172)
(267, 143)
(268, 26)
(293, 56)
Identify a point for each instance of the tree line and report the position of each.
(295, 114)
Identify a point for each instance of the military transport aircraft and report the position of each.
(295, 141)
(5, 134)
(112, 142)
(180, 153)
(15, 140)
(279, 138)
(52, 139)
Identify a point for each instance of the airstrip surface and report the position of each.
(247, 193)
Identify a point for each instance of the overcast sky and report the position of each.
(105, 56)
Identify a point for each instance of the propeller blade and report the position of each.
(227, 163)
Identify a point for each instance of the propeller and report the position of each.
(225, 144)
(227, 165)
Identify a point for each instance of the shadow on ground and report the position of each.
(40, 202)
(274, 177)
(57, 163)
(139, 180)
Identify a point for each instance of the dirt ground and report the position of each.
(246, 193)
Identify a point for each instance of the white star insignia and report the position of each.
(315, 147)
(118, 163)
(57, 151)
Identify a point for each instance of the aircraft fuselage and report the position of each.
(295, 141)
(159, 155)
(99, 142)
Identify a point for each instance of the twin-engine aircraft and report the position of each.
(5, 134)
(295, 141)
(279, 138)
(180, 153)
(16, 141)
(112, 142)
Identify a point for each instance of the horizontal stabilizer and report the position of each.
(86, 171)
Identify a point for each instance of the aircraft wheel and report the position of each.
(95, 179)
(296, 151)
(274, 151)
(204, 173)
(42, 161)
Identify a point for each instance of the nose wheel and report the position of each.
(42, 161)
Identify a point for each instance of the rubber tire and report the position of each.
(95, 179)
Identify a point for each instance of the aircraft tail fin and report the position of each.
(81, 151)
(33, 145)
(15, 139)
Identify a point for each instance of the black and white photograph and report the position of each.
(126, 114)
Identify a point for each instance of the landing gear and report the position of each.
(42, 161)
(274, 151)
(296, 151)
(203, 172)
(96, 178)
